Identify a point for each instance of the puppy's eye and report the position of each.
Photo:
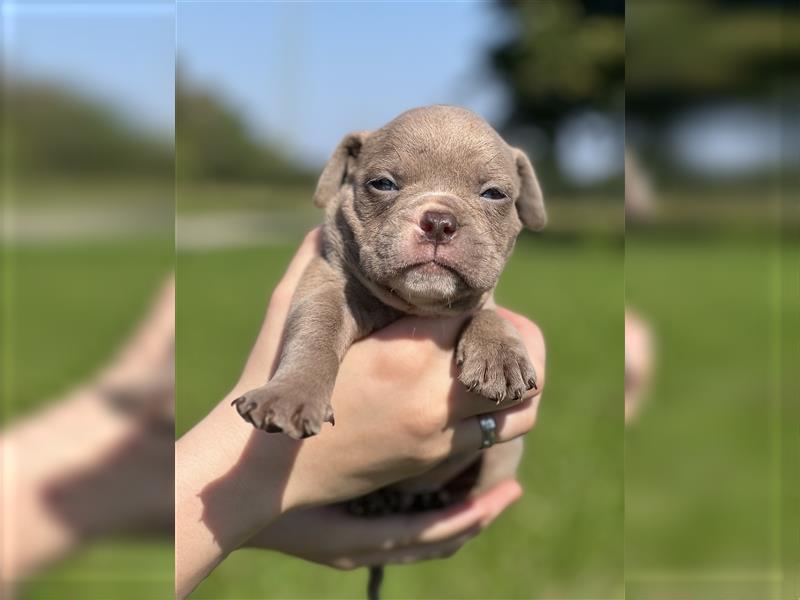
(384, 185)
(493, 194)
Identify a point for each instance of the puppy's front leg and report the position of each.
(493, 360)
(319, 330)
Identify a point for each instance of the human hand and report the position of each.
(80, 468)
(233, 481)
(329, 535)
(430, 415)
(638, 363)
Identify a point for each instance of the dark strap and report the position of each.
(374, 582)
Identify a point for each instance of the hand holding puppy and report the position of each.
(402, 412)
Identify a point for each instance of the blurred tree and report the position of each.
(214, 143)
(564, 56)
(685, 52)
(571, 54)
(54, 132)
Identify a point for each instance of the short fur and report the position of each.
(378, 264)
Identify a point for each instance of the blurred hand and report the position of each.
(330, 536)
(95, 461)
(400, 411)
(638, 363)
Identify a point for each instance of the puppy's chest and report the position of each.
(398, 500)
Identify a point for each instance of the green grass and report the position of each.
(564, 538)
(118, 570)
(70, 306)
(703, 464)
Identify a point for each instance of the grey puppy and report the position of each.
(421, 216)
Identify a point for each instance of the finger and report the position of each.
(511, 424)
(468, 405)
(403, 556)
(487, 505)
(498, 499)
(401, 531)
(445, 540)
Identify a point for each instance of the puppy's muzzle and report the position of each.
(438, 227)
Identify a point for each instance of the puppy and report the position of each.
(421, 216)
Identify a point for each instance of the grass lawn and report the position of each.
(703, 470)
(564, 538)
(70, 308)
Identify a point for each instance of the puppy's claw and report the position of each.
(496, 369)
(278, 408)
(306, 429)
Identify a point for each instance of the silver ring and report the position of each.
(488, 430)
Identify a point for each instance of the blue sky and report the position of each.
(120, 53)
(302, 74)
(306, 73)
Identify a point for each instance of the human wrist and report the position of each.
(234, 476)
(217, 506)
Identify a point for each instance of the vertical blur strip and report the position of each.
(87, 328)
(713, 127)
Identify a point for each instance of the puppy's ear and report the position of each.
(340, 164)
(530, 202)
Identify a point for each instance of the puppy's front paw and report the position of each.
(277, 407)
(498, 369)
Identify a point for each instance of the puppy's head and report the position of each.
(435, 200)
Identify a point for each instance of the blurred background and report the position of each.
(87, 243)
(265, 93)
(711, 267)
(697, 495)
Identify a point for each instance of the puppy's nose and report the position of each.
(439, 227)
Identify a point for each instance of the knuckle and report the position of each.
(425, 425)
(427, 449)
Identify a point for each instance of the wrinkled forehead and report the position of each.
(439, 147)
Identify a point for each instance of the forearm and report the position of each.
(43, 452)
(221, 494)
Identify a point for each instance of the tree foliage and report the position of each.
(563, 56)
(53, 131)
(214, 142)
